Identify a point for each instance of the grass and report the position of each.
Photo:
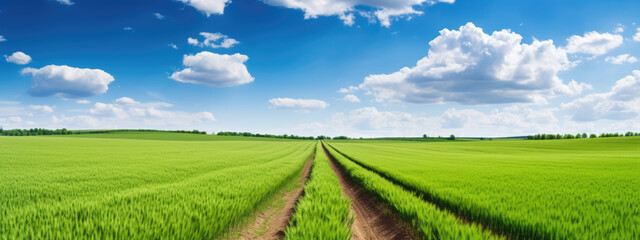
(79, 187)
(429, 221)
(157, 185)
(323, 212)
(563, 189)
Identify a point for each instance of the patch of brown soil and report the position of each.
(372, 219)
(270, 223)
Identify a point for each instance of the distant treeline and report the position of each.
(579, 135)
(64, 131)
(248, 134)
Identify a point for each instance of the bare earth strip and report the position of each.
(427, 197)
(372, 219)
(270, 223)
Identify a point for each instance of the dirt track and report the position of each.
(270, 224)
(372, 220)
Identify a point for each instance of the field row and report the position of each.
(580, 189)
(323, 212)
(429, 221)
(163, 186)
(70, 188)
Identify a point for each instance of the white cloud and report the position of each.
(108, 110)
(621, 103)
(213, 40)
(83, 101)
(11, 122)
(127, 111)
(383, 11)
(304, 105)
(593, 43)
(67, 82)
(65, 2)
(2, 39)
(619, 28)
(637, 36)
(509, 118)
(128, 28)
(351, 98)
(370, 122)
(620, 59)
(173, 46)
(126, 100)
(123, 112)
(41, 108)
(519, 119)
(470, 67)
(208, 7)
(158, 16)
(193, 41)
(19, 58)
(349, 89)
(216, 70)
(77, 121)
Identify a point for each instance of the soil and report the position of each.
(373, 220)
(270, 223)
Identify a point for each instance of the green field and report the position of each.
(561, 189)
(155, 185)
(68, 187)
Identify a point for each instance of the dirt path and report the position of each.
(373, 220)
(270, 223)
(427, 197)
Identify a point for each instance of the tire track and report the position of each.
(438, 203)
(274, 220)
(372, 219)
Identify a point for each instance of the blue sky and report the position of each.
(278, 66)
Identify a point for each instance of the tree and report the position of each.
(424, 135)
(452, 137)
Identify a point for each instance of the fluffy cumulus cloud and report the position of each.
(469, 66)
(41, 108)
(67, 82)
(123, 112)
(637, 36)
(127, 112)
(2, 39)
(621, 103)
(65, 2)
(212, 69)
(349, 89)
(303, 105)
(371, 122)
(11, 122)
(619, 28)
(351, 98)
(384, 11)
(208, 7)
(593, 43)
(620, 59)
(19, 58)
(158, 16)
(520, 119)
(213, 40)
